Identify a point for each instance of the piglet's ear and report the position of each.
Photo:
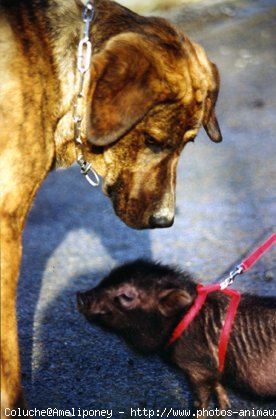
(173, 301)
(124, 85)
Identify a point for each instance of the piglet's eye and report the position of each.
(127, 296)
(125, 299)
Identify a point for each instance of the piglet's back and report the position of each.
(251, 354)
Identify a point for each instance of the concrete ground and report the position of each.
(225, 206)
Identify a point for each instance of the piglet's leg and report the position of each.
(202, 394)
(204, 382)
(223, 401)
(202, 387)
(202, 391)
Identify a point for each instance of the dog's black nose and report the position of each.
(81, 302)
(157, 221)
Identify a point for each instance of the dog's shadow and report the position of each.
(72, 238)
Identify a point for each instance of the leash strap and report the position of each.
(228, 323)
(257, 254)
(193, 311)
(203, 291)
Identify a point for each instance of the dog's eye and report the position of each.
(153, 143)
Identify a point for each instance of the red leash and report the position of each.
(203, 291)
(248, 262)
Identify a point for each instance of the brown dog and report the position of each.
(149, 89)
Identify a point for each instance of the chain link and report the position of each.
(83, 65)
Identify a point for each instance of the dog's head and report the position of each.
(149, 95)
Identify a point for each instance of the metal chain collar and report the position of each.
(83, 65)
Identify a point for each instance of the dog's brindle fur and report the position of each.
(148, 92)
(144, 301)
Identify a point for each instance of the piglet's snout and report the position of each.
(82, 302)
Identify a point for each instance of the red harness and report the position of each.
(203, 291)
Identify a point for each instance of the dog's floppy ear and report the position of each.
(210, 121)
(124, 86)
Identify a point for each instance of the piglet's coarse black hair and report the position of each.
(143, 301)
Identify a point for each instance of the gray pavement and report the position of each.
(225, 204)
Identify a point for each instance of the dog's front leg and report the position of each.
(11, 392)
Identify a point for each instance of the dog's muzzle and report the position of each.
(164, 216)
